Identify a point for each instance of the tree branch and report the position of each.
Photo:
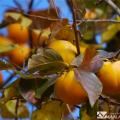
(78, 21)
(75, 28)
(16, 109)
(113, 5)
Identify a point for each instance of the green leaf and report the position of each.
(90, 83)
(31, 89)
(87, 112)
(48, 111)
(46, 61)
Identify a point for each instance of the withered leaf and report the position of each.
(46, 61)
(90, 83)
(40, 18)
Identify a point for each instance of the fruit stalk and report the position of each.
(75, 28)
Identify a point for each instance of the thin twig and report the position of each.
(75, 28)
(70, 111)
(52, 4)
(113, 5)
(78, 21)
(30, 5)
(16, 109)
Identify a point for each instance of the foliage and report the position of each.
(95, 24)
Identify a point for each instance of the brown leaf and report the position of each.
(92, 61)
(90, 83)
(40, 18)
(57, 26)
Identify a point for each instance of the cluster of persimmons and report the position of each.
(67, 88)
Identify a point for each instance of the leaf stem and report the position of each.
(75, 27)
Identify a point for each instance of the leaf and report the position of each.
(108, 34)
(46, 61)
(11, 91)
(5, 113)
(33, 89)
(5, 65)
(88, 113)
(40, 18)
(48, 111)
(77, 61)
(66, 33)
(6, 45)
(22, 109)
(90, 83)
(24, 21)
(92, 61)
(108, 55)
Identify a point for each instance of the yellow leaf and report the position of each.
(6, 45)
(109, 33)
(22, 110)
(51, 110)
(24, 21)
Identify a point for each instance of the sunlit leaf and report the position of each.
(5, 113)
(57, 27)
(22, 110)
(11, 91)
(48, 111)
(90, 83)
(108, 34)
(24, 21)
(6, 45)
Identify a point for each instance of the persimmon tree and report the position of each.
(61, 65)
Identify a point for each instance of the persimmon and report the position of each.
(109, 75)
(69, 90)
(65, 48)
(39, 37)
(18, 33)
(20, 54)
(1, 78)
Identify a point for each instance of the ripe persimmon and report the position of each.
(20, 54)
(18, 33)
(65, 48)
(109, 75)
(69, 90)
